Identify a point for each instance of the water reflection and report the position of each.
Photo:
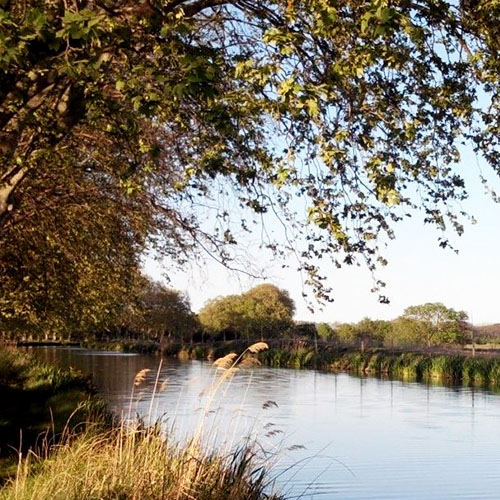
(365, 438)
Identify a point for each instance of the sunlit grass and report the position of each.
(137, 463)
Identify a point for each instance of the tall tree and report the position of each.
(160, 313)
(69, 260)
(267, 310)
(438, 324)
(358, 106)
(263, 311)
(222, 315)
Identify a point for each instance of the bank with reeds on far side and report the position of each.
(433, 366)
(454, 365)
(426, 367)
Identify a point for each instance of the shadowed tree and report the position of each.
(69, 263)
(161, 313)
(263, 311)
(358, 107)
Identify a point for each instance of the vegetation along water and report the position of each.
(181, 129)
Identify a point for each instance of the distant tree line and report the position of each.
(426, 325)
(155, 312)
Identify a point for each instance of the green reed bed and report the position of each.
(480, 371)
(413, 366)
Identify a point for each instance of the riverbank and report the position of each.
(39, 402)
(437, 366)
(451, 365)
(413, 366)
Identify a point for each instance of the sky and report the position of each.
(418, 271)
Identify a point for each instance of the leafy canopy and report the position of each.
(263, 311)
(358, 107)
(434, 323)
(158, 312)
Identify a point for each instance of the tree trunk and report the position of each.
(7, 189)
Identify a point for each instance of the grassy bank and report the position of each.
(455, 367)
(125, 345)
(415, 366)
(38, 402)
(134, 463)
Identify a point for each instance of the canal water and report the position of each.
(327, 436)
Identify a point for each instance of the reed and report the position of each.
(134, 461)
(412, 366)
(479, 371)
(445, 368)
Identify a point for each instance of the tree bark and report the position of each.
(7, 189)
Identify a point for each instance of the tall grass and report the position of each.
(134, 463)
(140, 462)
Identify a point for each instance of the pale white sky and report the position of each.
(419, 270)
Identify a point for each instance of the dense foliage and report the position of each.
(426, 325)
(264, 311)
(160, 313)
(365, 332)
(434, 323)
(150, 123)
(67, 268)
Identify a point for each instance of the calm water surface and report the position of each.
(364, 438)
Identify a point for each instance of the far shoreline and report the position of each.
(463, 366)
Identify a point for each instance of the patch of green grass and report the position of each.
(373, 365)
(38, 402)
(476, 371)
(446, 368)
